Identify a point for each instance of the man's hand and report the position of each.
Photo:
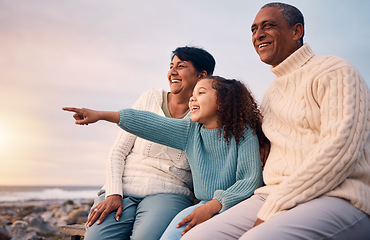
(200, 214)
(102, 210)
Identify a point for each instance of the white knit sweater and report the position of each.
(139, 167)
(317, 117)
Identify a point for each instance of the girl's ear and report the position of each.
(202, 74)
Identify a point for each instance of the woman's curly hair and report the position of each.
(237, 109)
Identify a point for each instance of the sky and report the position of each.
(104, 54)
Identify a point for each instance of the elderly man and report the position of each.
(317, 118)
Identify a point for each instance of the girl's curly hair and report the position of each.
(237, 109)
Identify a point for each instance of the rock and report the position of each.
(48, 216)
(4, 233)
(27, 210)
(37, 223)
(19, 224)
(4, 221)
(25, 236)
(18, 231)
(30, 222)
(77, 216)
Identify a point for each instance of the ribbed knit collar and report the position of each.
(294, 61)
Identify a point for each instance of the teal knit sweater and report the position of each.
(228, 173)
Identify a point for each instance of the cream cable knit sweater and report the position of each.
(139, 167)
(317, 117)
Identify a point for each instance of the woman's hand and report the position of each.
(200, 214)
(102, 210)
(84, 116)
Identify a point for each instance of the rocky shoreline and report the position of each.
(40, 220)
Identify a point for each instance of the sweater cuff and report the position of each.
(113, 188)
(121, 116)
(220, 200)
(225, 202)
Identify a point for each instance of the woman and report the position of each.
(147, 184)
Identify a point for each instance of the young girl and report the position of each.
(221, 142)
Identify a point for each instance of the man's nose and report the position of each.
(259, 34)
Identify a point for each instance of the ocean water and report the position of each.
(30, 193)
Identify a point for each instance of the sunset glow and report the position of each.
(5, 140)
(105, 54)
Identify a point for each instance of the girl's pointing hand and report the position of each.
(83, 116)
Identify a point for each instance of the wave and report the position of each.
(23, 193)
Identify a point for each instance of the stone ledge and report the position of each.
(75, 231)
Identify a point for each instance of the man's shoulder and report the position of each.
(329, 63)
(333, 60)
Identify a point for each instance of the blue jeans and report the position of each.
(143, 218)
(173, 233)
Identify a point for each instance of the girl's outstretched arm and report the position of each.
(85, 116)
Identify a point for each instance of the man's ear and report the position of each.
(298, 31)
(202, 74)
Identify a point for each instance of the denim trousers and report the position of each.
(143, 218)
(173, 233)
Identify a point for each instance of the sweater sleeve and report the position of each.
(343, 100)
(150, 126)
(248, 174)
(115, 163)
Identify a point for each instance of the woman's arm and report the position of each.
(122, 147)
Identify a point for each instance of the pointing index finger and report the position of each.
(70, 109)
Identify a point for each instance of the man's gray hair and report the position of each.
(290, 13)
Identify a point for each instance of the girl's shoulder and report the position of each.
(249, 135)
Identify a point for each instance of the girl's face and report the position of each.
(203, 105)
(182, 76)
